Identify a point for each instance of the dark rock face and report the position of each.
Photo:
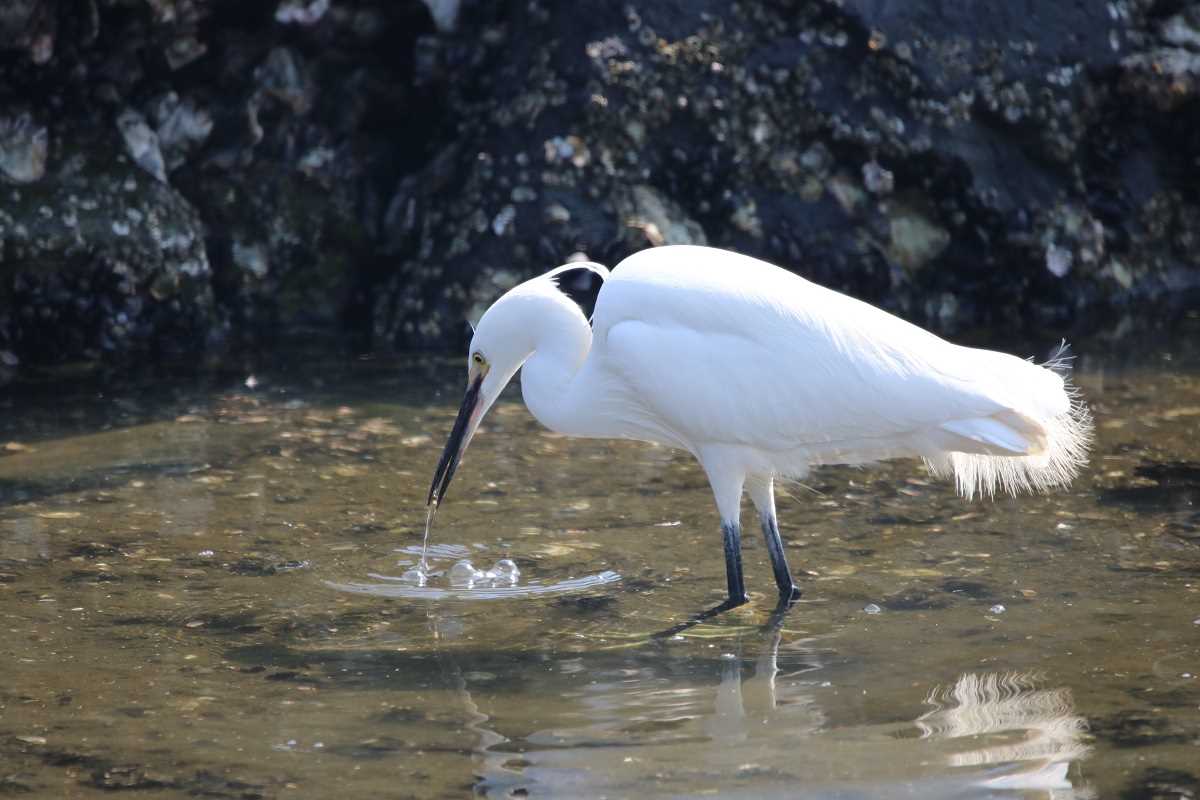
(178, 174)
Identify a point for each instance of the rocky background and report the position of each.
(183, 177)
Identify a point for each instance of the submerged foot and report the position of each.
(733, 602)
(789, 594)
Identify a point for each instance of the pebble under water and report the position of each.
(216, 589)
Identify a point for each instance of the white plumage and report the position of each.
(761, 374)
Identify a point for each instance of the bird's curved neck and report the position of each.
(548, 378)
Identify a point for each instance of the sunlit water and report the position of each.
(203, 593)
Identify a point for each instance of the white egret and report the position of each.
(760, 375)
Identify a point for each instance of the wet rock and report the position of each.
(1160, 783)
(301, 12)
(1137, 729)
(93, 550)
(181, 127)
(587, 605)
(142, 143)
(253, 566)
(1159, 488)
(914, 599)
(208, 784)
(914, 239)
(16, 785)
(444, 13)
(31, 26)
(651, 219)
(1168, 70)
(100, 258)
(284, 76)
(126, 777)
(23, 148)
(972, 589)
(877, 179)
(387, 167)
(401, 715)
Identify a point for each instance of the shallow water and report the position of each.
(175, 559)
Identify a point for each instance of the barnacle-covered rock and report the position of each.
(23, 148)
(961, 166)
(390, 167)
(141, 142)
(100, 259)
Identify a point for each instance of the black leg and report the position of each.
(783, 576)
(773, 624)
(733, 563)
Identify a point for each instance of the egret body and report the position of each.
(760, 375)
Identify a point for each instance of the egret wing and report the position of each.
(728, 349)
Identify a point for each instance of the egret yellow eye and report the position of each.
(478, 359)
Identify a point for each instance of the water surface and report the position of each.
(174, 559)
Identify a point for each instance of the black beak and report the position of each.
(460, 437)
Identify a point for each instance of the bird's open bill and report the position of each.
(460, 436)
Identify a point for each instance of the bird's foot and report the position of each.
(733, 602)
(789, 594)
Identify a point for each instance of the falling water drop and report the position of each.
(423, 565)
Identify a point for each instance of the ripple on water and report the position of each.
(436, 551)
(492, 590)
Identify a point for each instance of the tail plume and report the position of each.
(1062, 451)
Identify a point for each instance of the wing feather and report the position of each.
(727, 349)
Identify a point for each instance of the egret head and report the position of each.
(505, 337)
(498, 348)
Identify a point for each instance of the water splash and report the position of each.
(415, 575)
(420, 574)
(397, 587)
(464, 575)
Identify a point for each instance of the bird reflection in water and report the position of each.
(996, 704)
(778, 722)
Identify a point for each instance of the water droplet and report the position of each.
(206, 554)
(871, 608)
(504, 570)
(463, 574)
(997, 609)
(416, 576)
